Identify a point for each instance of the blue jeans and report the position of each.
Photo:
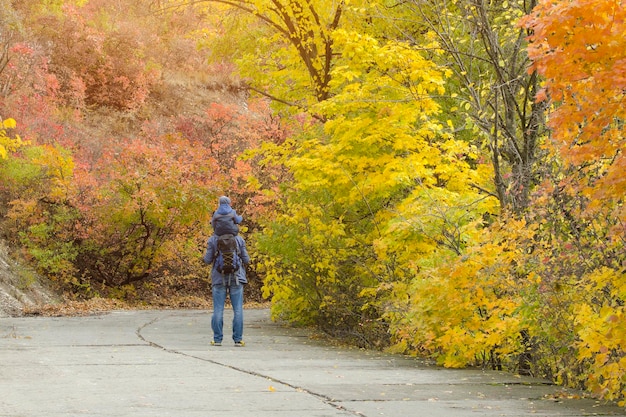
(235, 290)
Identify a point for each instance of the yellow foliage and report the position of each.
(464, 309)
(8, 144)
(58, 168)
(602, 335)
(23, 210)
(379, 195)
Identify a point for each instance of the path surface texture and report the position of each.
(161, 364)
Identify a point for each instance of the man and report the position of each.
(223, 284)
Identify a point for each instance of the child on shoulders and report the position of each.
(225, 219)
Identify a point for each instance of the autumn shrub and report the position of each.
(578, 300)
(29, 91)
(145, 210)
(460, 309)
(540, 295)
(315, 271)
(141, 213)
(95, 65)
(136, 211)
(38, 190)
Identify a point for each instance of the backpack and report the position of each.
(228, 260)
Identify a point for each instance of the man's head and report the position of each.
(224, 200)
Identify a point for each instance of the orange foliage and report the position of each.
(580, 48)
(142, 207)
(96, 66)
(229, 131)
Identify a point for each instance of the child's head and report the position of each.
(224, 200)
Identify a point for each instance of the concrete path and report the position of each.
(160, 363)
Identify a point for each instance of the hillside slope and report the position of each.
(73, 69)
(20, 287)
